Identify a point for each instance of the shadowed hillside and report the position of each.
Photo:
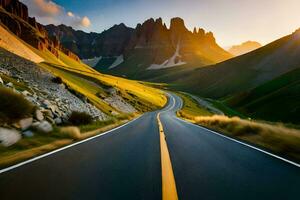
(244, 72)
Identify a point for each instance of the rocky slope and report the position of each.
(244, 48)
(44, 92)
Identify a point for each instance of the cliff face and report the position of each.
(14, 16)
(154, 36)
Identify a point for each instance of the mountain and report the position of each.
(155, 47)
(111, 42)
(14, 17)
(243, 48)
(150, 46)
(262, 84)
(246, 71)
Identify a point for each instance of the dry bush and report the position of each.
(280, 139)
(13, 106)
(72, 132)
(80, 118)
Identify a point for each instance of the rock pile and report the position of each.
(54, 102)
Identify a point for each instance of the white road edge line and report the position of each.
(245, 144)
(237, 141)
(64, 148)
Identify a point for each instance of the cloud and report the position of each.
(48, 12)
(85, 22)
(43, 8)
(77, 21)
(70, 14)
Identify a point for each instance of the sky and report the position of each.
(231, 21)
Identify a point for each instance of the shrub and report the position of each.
(71, 132)
(80, 118)
(57, 80)
(13, 106)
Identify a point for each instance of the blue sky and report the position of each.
(231, 21)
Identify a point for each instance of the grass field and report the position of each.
(191, 108)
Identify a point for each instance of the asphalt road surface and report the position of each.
(125, 164)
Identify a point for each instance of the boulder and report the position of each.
(28, 133)
(58, 120)
(1, 81)
(44, 127)
(10, 84)
(48, 113)
(26, 93)
(39, 115)
(46, 103)
(9, 137)
(51, 120)
(25, 123)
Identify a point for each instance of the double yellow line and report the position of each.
(169, 191)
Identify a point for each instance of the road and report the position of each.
(125, 164)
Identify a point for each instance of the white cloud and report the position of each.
(85, 22)
(48, 12)
(70, 14)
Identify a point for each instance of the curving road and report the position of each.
(125, 164)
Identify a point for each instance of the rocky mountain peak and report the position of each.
(177, 25)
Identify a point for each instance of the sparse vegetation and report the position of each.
(278, 138)
(80, 118)
(57, 80)
(13, 106)
(191, 108)
(72, 132)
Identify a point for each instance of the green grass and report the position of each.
(191, 108)
(226, 109)
(276, 100)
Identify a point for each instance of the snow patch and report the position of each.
(92, 62)
(118, 61)
(171, 62)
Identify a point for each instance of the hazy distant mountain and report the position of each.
(244, 48)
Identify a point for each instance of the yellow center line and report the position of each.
(169, 191)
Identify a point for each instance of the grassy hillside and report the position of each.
(83, 79)
(244, 72)
(276, 100)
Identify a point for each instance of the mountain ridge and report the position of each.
(244, 48)
(150, 43)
